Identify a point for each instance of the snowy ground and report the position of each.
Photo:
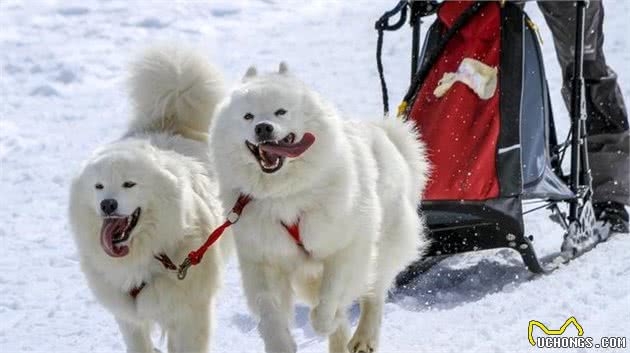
(62, 66)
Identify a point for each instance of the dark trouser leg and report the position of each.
(607, 122)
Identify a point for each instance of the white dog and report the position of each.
(142, 203)
(333, 210)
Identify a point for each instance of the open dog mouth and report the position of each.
(115, 231)
(271, 154)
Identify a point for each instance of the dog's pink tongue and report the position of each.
(293, 150)
(110, 227)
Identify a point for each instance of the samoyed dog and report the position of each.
(332, 207)
(140, 204)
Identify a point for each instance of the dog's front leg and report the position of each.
(137, 336)
(339, 280)
(190, 333)
(270, 297)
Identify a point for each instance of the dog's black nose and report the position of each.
(264, 131)
(109, 206)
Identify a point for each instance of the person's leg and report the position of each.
(607, 119)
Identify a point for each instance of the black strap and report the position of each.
(434, 55)
(383, 25)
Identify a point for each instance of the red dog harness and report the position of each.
(166, 262)
(195, 256)
(294, 232)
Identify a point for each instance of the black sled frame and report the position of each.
(471, 226)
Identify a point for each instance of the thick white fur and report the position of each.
(165, 152)
(355, 192)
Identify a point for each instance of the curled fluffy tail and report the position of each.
(174, 89)
(406, 137)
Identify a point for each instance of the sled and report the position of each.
(480, 99)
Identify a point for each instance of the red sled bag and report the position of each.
(460, 127)
(481, 103)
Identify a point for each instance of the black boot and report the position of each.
(613, 214)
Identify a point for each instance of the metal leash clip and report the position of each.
(183, 269)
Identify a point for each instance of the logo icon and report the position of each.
(558, 332)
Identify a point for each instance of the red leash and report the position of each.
(195, 256)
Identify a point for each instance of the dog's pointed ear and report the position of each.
(283, 68)
(251, 72)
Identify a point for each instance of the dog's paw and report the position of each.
(362, 344)
(323, 320)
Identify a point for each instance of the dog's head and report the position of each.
(118, 198)
(271, 134)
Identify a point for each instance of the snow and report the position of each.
(63, 66)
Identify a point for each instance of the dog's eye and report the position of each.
(280, 112)
(248, 116)
(99, 186)
(128, 184)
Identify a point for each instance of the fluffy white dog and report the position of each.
(333, 210)
(142, 203)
